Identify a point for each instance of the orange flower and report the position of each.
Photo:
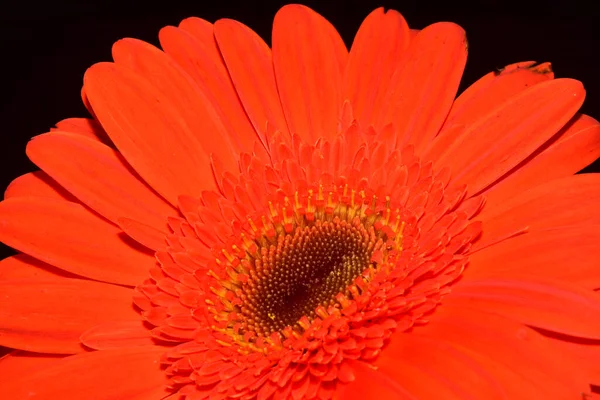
(306, 223)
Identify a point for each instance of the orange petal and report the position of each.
(202, 61)
(505, 83)
(22, 266)
(150, 131)
(309, 57)
(69, 237)
(563, 202)
(521, 360)
(586, 353)
(148, 236)
(569, 254)
(132, 374)
(177, 88)
(545, 303)
(117, 335)
(483, 97)
(575, 147)
(371, 384)
(18, 363)
(423, 86)
(37, 184)
(49, 315)
(86, 103)
(494, 144)
(432, 368)
(84, 126)
(378, 47)
(99, 177)
(250, 65)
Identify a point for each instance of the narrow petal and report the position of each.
(37, 184)
(73, 239)
(563, 202)
(86, 103)
(120, 334)
(497, 86)
(251, 71)
(114, 191)
(378, 47)
(545, 303)
(515, 129)
(202, 61)
(424, 85)
(371, 384)
(49, 315)
(309, 57)
(150, 131)
(192, 102)
(575, 147)
(587, 354)
(84, 126)
(148, 236)
(18, 363)
(432, 368)
(483, 97)
(526, 364)
(131, 374)
(22, 266)
(569, 254)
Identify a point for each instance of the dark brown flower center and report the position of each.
(303, 270)
(308, 257)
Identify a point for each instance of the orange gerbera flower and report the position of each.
(304, 222)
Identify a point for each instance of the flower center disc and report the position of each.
(304, 270)
(304, 258)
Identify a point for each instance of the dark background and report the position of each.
(46, 48)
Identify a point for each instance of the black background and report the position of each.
(46, 49)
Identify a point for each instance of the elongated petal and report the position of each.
(22, 266)
(49, 315)
(497, 86)
(569, 254)
(483, 97)
(432, 368)
(119, 334)
(146, 235)
(72, 239)
(556, 203)
(545, 303)
(191, 100)
(586, 353)
(496, 143)
(378, 47)
(99, 177)
(131, 374)
(251, 71)
(18, 363)
(37, 184)
(575, 147)
(371, 383)
(150, 131)
(424, 85)
(563, 202)
(202, 61)
(309, 58)
(525, 363)
(84, 126)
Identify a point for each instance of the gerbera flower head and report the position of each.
(303, 222)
